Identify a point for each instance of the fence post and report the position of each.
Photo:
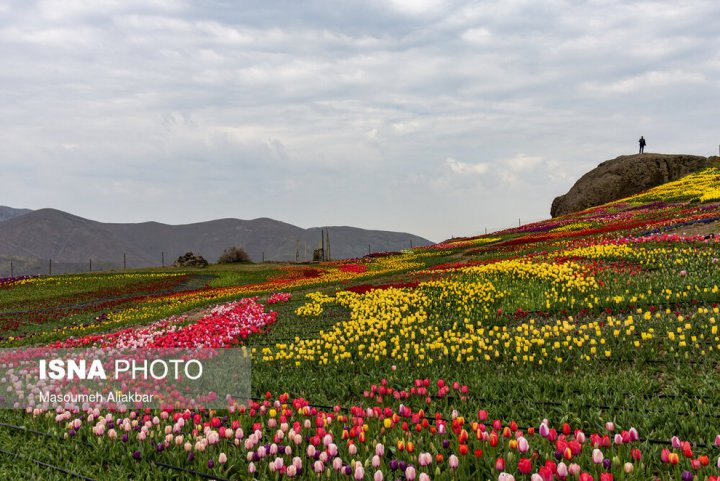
(91, 264)
(124, 261)
(50, 267)
(12, 270)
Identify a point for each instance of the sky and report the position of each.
(439, 118)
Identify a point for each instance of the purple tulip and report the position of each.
(687, 476)
(125, 438)
(394, 464)
(446, 443)
(607, 463)
(211, 463)
(136, 455)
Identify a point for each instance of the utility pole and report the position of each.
(327, 244)
(322, 243)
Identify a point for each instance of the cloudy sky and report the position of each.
(435, 117)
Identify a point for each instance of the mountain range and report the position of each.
(41, 240)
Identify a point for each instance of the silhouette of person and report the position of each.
(642, 144)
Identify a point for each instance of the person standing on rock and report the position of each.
(642, 144)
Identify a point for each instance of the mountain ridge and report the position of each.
(71, 241)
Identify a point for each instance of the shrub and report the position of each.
(190, 260)
(233, 254)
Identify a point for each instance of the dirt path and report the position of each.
(697, 229)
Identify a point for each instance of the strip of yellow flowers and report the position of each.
(396, 324)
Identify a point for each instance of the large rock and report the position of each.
(625, 176)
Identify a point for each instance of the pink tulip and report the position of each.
(359, 473)
(522, 444)
(562, 470)
(251, 468)
(222, 459)
(410, 473)
(378, 476)
(318, 467)
(675, 441)
(574, 469)
(597, 456)
(453, 461)
(423, 477)
(628, 468)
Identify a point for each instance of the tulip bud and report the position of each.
(610, 426)
(522, 444)
(410, 473)
(597, 456)
(453, 461)
(675, 441)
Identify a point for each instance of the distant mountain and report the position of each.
(32, 239)
(7, 213)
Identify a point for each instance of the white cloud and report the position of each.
(463, 168)
(522, 162)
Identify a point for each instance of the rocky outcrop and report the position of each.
(625, 176)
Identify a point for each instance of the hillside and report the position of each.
(7, 213)
(624, 176)
(585, 345)
(70, 241)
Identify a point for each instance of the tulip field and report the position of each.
(584, 347)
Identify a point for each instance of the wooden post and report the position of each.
(124, 261)
(485, 230)
(91, 264)
(12, 270)
(297, 251)
(162, 254)
(411, 243)
(263, 257)
(518, 221)
(50, 267)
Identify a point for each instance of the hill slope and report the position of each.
(70, 241)
(624, 176)
(7, 213)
